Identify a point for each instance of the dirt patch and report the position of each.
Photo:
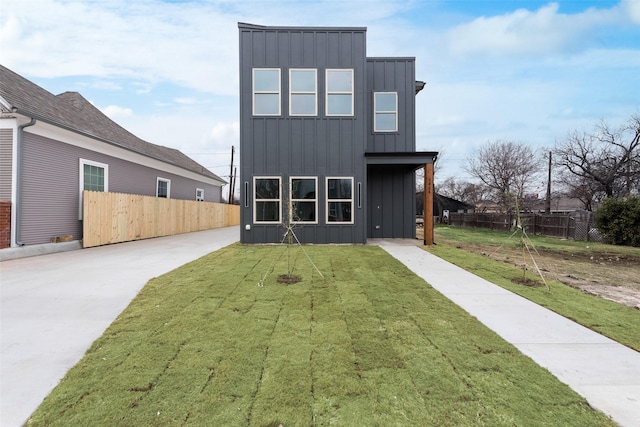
(288, 279)
(527, 282)
(620, 294)
(610, 276)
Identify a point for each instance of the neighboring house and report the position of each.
(52, 147)
(327, 137)
(561, 205)
(442, 205)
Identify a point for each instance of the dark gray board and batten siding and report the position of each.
(50, 187)
(317, 146)
(393, 75)
(391, 188)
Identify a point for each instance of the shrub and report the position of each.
(619, 220)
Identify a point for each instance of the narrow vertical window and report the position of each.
(163, 188)
(339, 92)
(266, 91)
(303, 90)
(199, 195)
(267, 200)
(385, 117)
(304, 200)
(340, 200)
(94, 176)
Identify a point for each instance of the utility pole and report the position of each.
(233, 149)
(547, 202)
(234, 178)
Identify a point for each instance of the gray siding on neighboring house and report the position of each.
(317, 146)
(393, 75)
(50, 200)
(6, 167)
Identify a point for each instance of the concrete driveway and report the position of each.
(54, 306)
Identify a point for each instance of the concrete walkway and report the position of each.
(603, 371)
(54, 306)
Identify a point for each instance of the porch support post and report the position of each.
(428, 204)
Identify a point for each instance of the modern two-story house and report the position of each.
(327, 137)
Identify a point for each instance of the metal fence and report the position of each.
(577, 225)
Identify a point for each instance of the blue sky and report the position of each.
(527, 71)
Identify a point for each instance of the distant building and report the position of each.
(443, 205)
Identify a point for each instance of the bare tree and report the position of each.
(603, 163)
(507, 168)
(465, 191)
(437, 166)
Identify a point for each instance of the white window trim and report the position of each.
(339, 200)
(279, 199)
(200, 198)
(255, 92)
(376, 112)
(291, 199)
(168, 181)
(301, 92)
(81, 164)
(326, 75)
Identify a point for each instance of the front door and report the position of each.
(375, 203)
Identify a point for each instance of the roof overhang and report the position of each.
(415, 159)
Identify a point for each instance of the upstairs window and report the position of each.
(266, 203)
(385, 116)
(304, 199)
(266, 91)
(303, 90)
(163, 188)
(339, 92)
(340, 200)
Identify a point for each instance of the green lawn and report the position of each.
(371, 344)
(613, 320)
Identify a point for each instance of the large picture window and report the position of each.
(267, 200)
(340, 200)
(266, 91)
(94, 176)
(303, 89)
(385, 117)
(304, 199)
(339, 92)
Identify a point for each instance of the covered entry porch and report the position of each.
(391, 194)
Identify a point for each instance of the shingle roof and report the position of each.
(72, 111)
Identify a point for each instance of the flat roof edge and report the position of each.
(391, 58)
(247, 26)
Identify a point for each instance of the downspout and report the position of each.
(19, 178)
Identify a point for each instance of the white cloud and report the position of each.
(632, 9)
(115, 112)
(194, 46)
(524, 31)
(191, 101)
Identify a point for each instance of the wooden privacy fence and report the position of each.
(117, 217)
(578, 225)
